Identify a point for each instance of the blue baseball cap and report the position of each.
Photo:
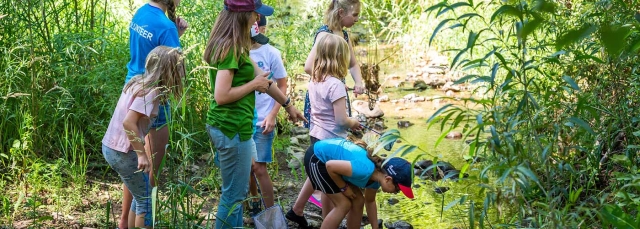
(400, 170)
(248, 6)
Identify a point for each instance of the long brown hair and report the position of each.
(332, 58)
(164, 71)
(231, 31)
(171, 8)
(332, 15)
(377, 160)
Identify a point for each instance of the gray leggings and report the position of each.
(126, 165)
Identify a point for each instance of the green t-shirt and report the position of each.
(233, 118)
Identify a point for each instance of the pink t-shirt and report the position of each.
(321, 96)
(116, 138)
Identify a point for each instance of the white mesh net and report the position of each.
(270, 218)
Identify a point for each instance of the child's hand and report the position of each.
(261, 83)
(269, 124)
(295, 115)
(143, 163)
(349, 194)
(358, 89)
(182, 25)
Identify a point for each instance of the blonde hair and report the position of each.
(164, 71)
(332, 15)
(332, 58)
(171, 8)
(231, 31)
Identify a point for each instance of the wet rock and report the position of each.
(383, 155)
(379, 126)
(475, 159)
(383, 98)
(400, 109)
(362, 107)
(393, 201)
(294, 141)
(454, 174)
(296, 160)
(298, 130)
(423, 164)
(416, 186)
(418, 99)
(441, 190)
(404, 124)
(398, 225)
(303, 138)
(454, 135)
(398, 141)
(409, 96)
(469, 141)
(420, 85)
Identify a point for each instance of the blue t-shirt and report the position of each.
(341, 149)
(149, 28)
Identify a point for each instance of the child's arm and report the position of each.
(308, 64)
(340, 112)
(225, 94)
(370, 205)
(270, 121)
(354, 69)
(337, 169)
(130, 125)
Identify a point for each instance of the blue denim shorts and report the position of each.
(126, 165)
(264, 143)
(164, 116)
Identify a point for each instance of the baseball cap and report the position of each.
(248, 6)
(263, 20)
(400, 170)
(257, 36)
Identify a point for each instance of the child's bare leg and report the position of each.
(327, 205)
(354, 217)
(158, 140)
(126, 204)
(305, 193)
(342, 205)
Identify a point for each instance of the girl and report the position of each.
(340, 14)
(137, 108)
(340, 168)
(150, 28)
(327, 94)
(267, 58)
(234, 78)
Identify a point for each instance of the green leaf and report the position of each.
(571, 82)
(469, 15)
(574, 36)
(582, 124)
(437, 29)
(442, 109)
(613, 38)
(471, 41)
(436, 6)
(545, 6)
(507, 10)
(529, 27)
(457, 57)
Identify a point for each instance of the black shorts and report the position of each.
(318, 174)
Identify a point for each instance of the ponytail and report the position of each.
(377, 160)
(171, 9)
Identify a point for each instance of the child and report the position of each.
(340, 14)
(137, 109)
(234, 78)
(340, 168)
(150, 28)
(327, 94)
(269, 60)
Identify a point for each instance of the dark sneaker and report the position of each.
(300, 220)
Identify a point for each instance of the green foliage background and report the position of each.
(555, 113)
